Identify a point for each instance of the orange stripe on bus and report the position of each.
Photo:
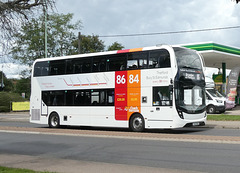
(136, 50)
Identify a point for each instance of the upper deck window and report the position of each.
(116, 62)
(82, 65)
(57, 67)
(102, 63)
(159, 59)
(137, 60)
(99, 64)
(41, 69)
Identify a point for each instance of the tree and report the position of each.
(90, 44)
(29, 44)
(15, 12)
(115, 46)
(23, 85)
(7, 84)
(61, 34)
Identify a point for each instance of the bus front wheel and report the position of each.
(54, 120)
(137, 123)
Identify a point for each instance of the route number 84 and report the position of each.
(122, 79)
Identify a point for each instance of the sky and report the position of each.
(121, 17)
(116, 17)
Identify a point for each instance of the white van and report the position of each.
(215, 102)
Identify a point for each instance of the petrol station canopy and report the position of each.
(215, 54)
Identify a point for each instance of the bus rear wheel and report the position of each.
(54, 120)
(137, 123)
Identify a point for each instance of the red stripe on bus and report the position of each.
(123, 51)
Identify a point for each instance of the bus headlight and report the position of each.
(180, 113)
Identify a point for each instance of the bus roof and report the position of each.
(107, 52)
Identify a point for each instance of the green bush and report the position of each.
(6, 98)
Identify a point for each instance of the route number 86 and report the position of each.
(122, 79)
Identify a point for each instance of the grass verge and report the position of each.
(16, 170)
(223, 117)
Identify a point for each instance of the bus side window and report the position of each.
(77, 66)
(86, 65)
(69, 67)
(41, 69)
(95, 97)
(99, 64)
(37, 71)
(137, 60)
(159, 59)
(116, 62)
(82, 65)
(110, 97)
(46, 97)
(58, 99)
(82, 98)
(69, 97)
(102, 97)
(164, 60)
(53, 98)
(57, 67)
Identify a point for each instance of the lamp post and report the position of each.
(2, 85)
(79, 42)
(45, 30)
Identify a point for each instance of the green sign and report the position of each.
(217, 78)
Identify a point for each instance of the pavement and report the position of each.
(24, 117)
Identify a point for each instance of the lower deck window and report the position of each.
(99, 97)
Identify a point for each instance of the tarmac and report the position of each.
(24, 117)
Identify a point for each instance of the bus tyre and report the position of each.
(137, 123)
(54, 121)
(211, 109)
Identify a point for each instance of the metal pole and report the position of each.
(2, 75)
(45, 33)
(79, 42)
(224, 77)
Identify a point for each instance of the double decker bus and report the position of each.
(144, 88)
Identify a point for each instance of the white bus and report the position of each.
(143, 88)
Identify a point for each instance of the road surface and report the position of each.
(64, 153)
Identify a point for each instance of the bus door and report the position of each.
(44, 109)
(44, 102)
(162, 103)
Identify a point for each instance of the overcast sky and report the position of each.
(111, 17)
(117, 17)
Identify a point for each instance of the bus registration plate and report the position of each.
(196, 124)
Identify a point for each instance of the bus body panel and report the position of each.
(78, 81)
